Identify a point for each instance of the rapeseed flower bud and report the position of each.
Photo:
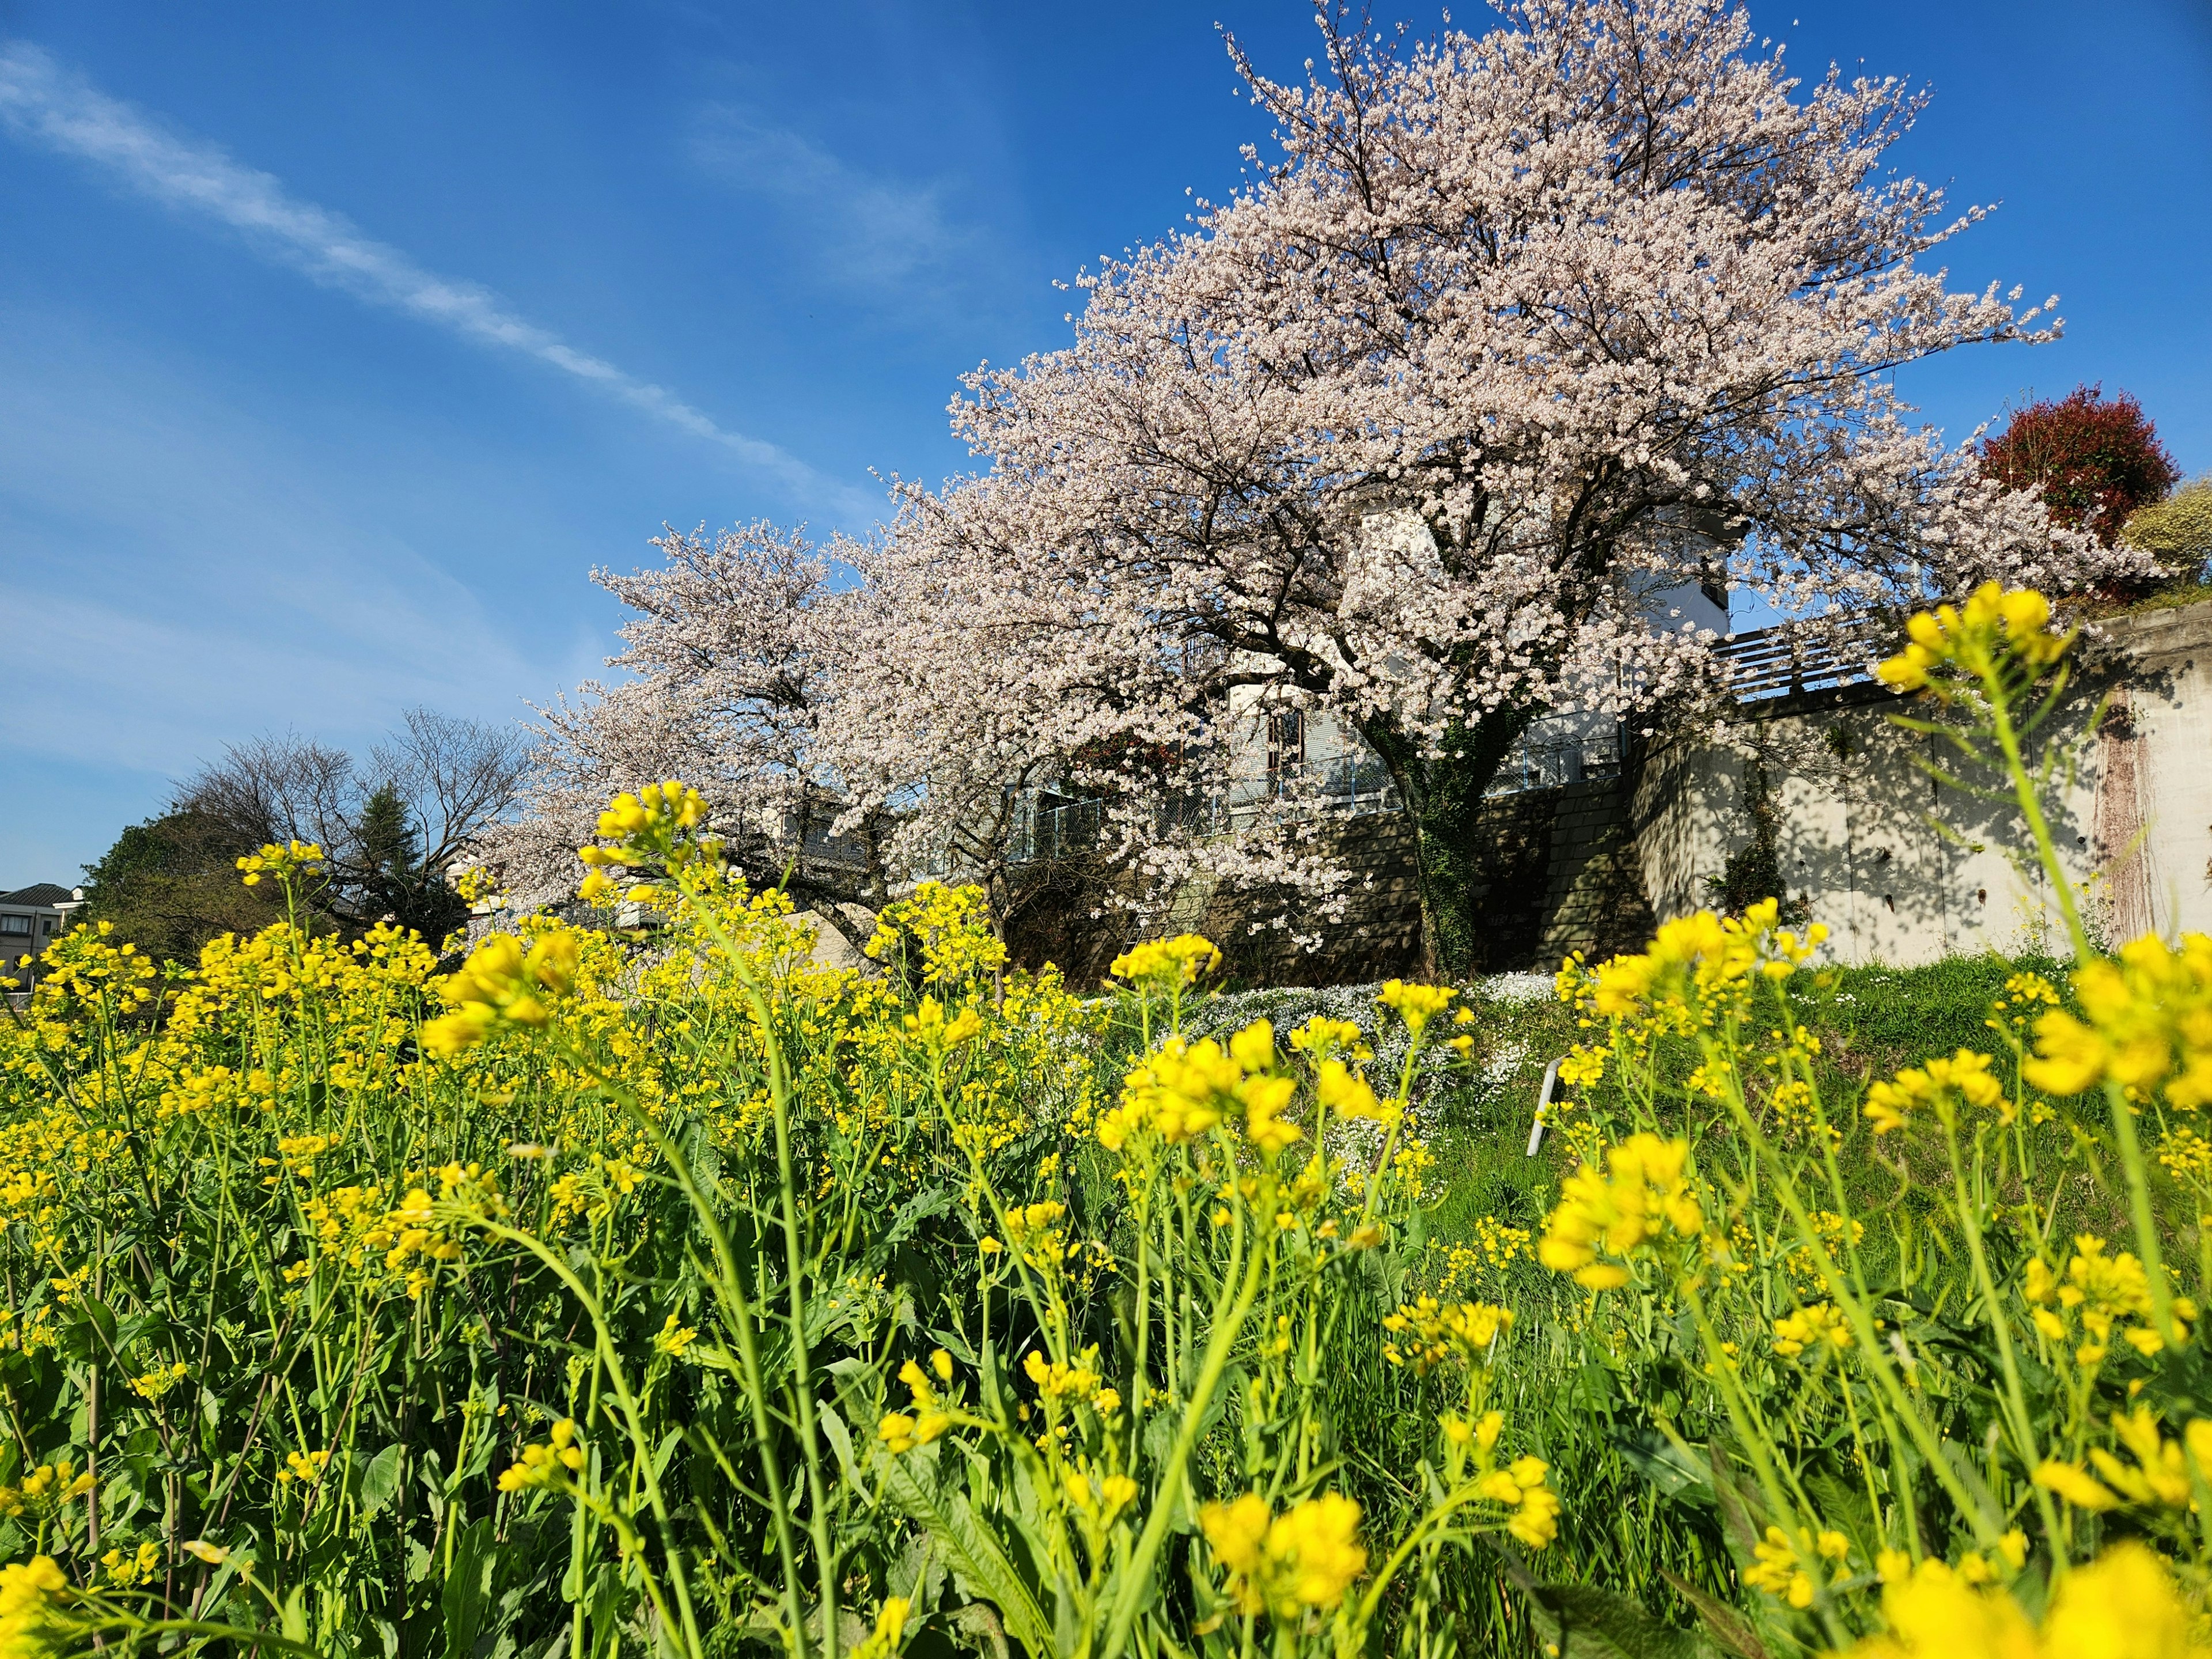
(1034, 1230)
(928, 1026)
(1695, 962)
(1183, 1088)
(46, 1489)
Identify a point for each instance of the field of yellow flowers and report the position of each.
(623, 1295)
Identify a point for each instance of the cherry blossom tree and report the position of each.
(732, 651)
(1520, 332)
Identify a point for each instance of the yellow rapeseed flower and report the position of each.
(1433, 1332)
(1416, 1005)
(2122, 1605)
(2100, 1297)
(1816, 1326)
(1283, 1564)
(1994, 630)
(501, 982)
(2146, 1025)
(1178, 961)
(1644, 1192)
(1789, 1567)
(550, 1466)
(1938, 1085)
(31, 1593)
(883, 1642)
(1183, 1088)
(280, 859)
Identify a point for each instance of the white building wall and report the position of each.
(1905, 869)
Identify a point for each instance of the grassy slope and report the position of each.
(1877, 1020)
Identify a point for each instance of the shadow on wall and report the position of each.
(1905, 868)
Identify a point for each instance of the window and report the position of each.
(14, 925)
(46, 924)
(1286, 739)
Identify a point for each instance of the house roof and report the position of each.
(41, 893)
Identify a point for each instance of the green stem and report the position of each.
(1227, 1324)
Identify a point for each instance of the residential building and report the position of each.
(31, 918)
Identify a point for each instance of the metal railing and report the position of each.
(1058, 832)
(1539, 762)
(1784, 661)
(1351, 785)
(1347, 787)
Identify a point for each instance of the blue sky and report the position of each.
(337, 344)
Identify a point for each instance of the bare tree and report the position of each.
(458, 777)
(392, 831)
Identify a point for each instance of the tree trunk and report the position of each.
(1443, 794)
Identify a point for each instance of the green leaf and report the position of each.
(974, 1555)
(292, 1621)
(380, 1480)
(1727, 1627)
(1590, 1623)
(1676, 1470)
(1580, 1621)
(467, 1592)
(840, 1441)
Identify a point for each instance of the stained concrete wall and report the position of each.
(1904, 867)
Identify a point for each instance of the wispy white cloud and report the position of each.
(190, 565)
(866, 232)
(42, 103)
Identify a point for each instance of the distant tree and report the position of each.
(390, 875)
(2094, 460)
(391, 834)
(171, 883)
(2179, 529)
